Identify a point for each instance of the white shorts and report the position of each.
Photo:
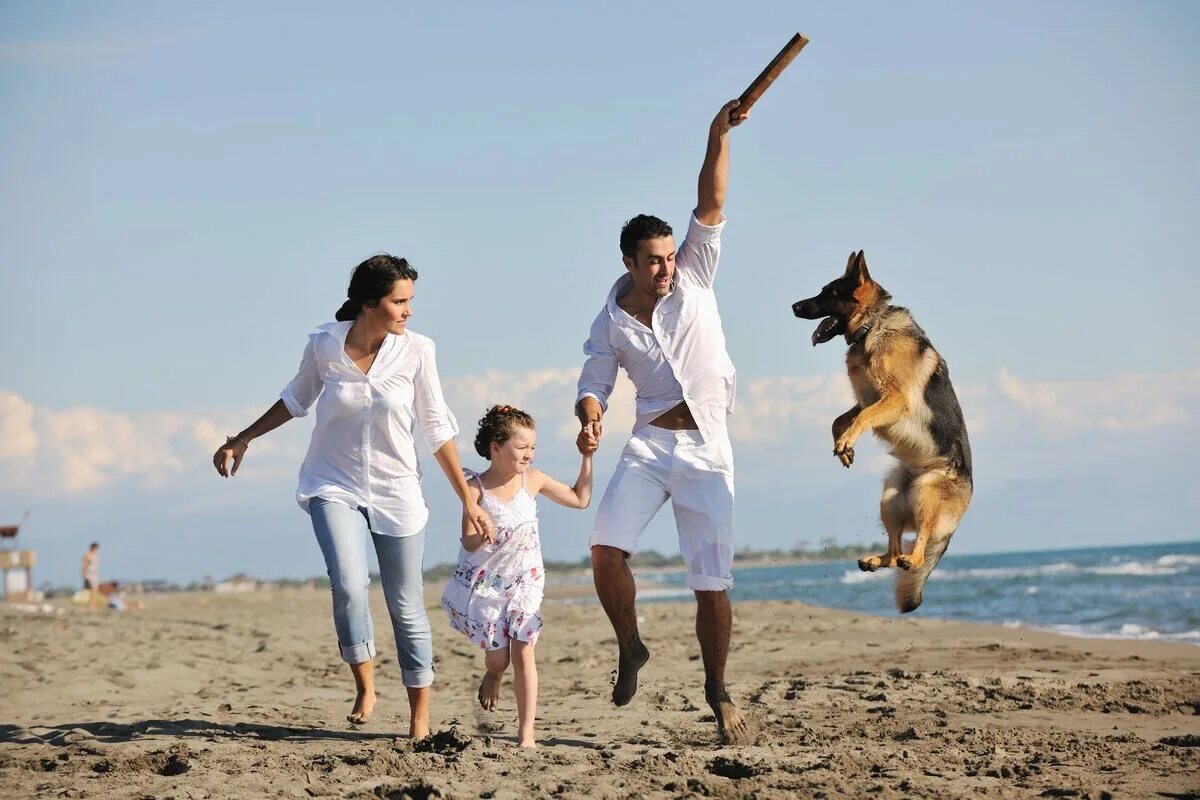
(698, 477)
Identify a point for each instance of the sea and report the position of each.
(1133, 592)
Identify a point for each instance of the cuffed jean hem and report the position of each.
(416, 678)
(358, 653)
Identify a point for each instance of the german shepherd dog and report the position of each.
(903, 392)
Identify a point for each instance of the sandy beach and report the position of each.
(212, 696)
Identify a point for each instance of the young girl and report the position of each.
(495, 594)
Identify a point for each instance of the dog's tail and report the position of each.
(910, 583)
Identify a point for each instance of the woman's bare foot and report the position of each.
(418, 727)
(489, 691)
(526, 740)
(364, 706)
(418, 712)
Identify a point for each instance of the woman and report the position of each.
(360, 481)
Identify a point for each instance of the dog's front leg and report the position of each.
(840, 425)
(891, 407)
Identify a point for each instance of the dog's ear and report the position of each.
(857, 268)
(850, 264)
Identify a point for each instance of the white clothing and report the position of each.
(685, 335)
(495, 593)
(363, 450)
(697, 476)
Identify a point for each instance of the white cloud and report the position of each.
(1121, 403)
(50, 452)
(18, 438)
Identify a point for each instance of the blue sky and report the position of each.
(186, 189)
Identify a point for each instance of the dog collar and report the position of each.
(858, 335)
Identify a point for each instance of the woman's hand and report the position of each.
(476, 521)
(233, 450)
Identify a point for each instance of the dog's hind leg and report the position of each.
(939, 502)
(896, 515)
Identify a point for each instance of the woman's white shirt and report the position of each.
(363, 449)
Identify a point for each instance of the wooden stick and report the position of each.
(774, 69)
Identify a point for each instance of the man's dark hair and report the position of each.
(643, 226)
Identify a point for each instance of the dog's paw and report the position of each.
(870, 563)
(846, 457)
(909, 562)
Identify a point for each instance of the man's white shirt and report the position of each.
(685, 333)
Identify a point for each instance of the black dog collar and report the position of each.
(858, 335)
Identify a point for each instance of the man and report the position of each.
(90, 569)
(661, 325)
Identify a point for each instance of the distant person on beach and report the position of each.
(115, 598)
(660, 323)
(360, 482)
(494, 596)
(90, 568)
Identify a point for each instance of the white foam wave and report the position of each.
(1131, 568)
(1177, 560)
(1004, 573)
(1127, 631)
(858, 576)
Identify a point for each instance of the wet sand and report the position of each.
(214, 696)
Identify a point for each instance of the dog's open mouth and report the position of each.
(829, 328)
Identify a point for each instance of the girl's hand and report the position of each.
(476, 521)
(233, 450)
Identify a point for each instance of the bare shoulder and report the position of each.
(535, 479)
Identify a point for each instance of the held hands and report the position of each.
(728, 117)
(588, 440)
(233, 450)
(476, 520)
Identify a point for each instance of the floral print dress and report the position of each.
(495, 594)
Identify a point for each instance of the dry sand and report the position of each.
(215, 696)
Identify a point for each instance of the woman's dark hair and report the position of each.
(643, 226)
(371, 282)
(498, 425)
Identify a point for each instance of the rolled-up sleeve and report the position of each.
(700, 252)
(436, 423)
(305, 388)
(599, 373)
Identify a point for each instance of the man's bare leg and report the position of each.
(617, 592)
(714, 622)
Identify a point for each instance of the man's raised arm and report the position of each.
(714, 175)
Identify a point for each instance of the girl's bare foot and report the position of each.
(489, 691)
(364, 706)
(526, 740)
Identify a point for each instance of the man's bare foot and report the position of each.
(731, 725)
(364, 705)
(628, 665)
(489, 691)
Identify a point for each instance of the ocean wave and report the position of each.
(1129, 568)
(1133, 568)
(1128, 630)
(1180, 559)
(858, 576)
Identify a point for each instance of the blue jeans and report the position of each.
(343, 532)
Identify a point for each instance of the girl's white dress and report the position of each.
(495, 594)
